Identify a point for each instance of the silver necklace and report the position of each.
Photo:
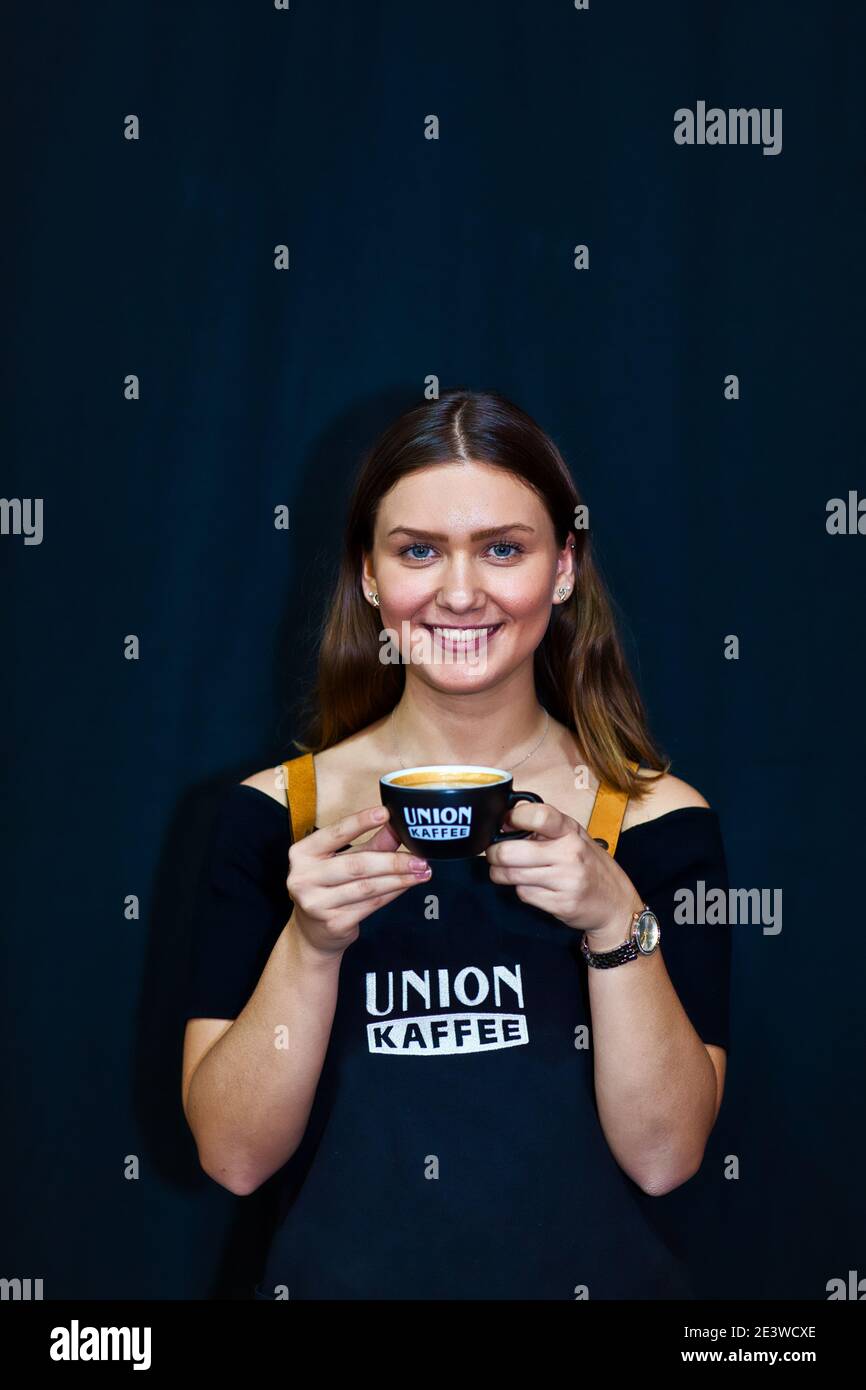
(507, 769)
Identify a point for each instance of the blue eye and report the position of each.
(495, 545)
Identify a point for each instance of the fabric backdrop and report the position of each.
(146, 249)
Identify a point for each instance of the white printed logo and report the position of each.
(433, 1033)
(433, 823)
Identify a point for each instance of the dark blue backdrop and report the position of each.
(411, 257)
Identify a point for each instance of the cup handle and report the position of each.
(513, 798)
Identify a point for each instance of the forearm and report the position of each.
(250, 1097)
(655, 1085)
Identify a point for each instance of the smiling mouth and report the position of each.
(465, 635)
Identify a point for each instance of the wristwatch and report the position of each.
(644, 935)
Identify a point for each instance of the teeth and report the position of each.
(462, 634)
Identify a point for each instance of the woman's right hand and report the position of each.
(332, 893)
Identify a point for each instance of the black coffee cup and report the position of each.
(451, 810)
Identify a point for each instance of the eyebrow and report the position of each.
(476, 535)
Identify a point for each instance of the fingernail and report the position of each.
(380, 813)
(418, 863)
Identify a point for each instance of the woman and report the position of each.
(522, 1171)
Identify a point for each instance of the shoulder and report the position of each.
(337, 773)
(247, 830)
(664, 793)
(339, 759)
(271, 781)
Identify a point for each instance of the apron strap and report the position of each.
(607, 814)
(301, 794)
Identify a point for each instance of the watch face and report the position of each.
(647, 932)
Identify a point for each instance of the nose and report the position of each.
(459, 591)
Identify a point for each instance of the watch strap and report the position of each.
(605, 960)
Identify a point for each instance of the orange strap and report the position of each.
(301, 794)
(607, 814)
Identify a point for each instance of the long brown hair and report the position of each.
(581, 674)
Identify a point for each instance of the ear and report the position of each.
(565, 565)
(368, 579)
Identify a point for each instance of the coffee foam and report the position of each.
(437, 779)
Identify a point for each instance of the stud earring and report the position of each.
(563, 593)
(374, 596)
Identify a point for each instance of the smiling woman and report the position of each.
(464, 1063)
(462, 518)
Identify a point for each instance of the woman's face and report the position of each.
(465, 608)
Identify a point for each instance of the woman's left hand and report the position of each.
(564, 872)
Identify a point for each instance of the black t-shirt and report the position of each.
(454, 1149)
